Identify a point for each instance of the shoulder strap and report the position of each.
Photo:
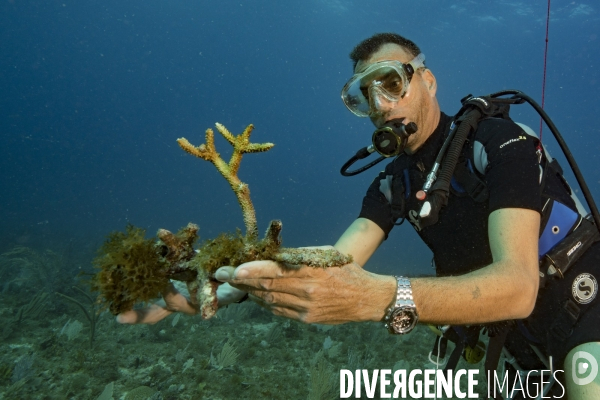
(396, 190)
(470, 182)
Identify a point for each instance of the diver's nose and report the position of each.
(379, 104)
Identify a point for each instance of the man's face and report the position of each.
(414, 105)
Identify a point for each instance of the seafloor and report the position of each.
(46, 351)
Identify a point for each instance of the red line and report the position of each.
(545, 58)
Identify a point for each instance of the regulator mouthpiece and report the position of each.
(390, 140)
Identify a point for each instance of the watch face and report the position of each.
(403, 320)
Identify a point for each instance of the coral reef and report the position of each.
(134, 269)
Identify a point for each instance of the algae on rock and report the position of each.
(134, 269)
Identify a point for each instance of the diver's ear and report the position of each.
(430, 82)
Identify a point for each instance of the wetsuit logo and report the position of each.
(521, 137)
(584, 288)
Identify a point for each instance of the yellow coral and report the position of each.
(241, 145)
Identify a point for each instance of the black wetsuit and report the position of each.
(459, 240)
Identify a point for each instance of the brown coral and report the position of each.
(131, 270)
(134, 269)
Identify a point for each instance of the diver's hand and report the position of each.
(314, 295)
(172, 301)
(227, 294)
(177, 301)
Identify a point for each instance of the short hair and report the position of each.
(365, 49)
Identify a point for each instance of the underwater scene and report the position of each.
(111, 114)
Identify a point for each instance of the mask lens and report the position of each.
(392, 83)
(388, 79)
(393, 77)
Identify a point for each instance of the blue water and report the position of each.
(94, 95)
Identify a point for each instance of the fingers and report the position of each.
(306, 294)
(227, 294)
(248, 270)
(176, 302)
(224, 274)
(303, 310)
(149, 315)
(261, 279)
(173, 301)
(270, 276)
(263, 269)
(268, 269)
(287, 311)
(245, 276)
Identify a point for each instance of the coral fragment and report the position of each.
(134, 269)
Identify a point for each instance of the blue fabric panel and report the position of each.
(457, 186)
(561, 221)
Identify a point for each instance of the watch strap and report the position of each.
(404, 295)
(404, 298)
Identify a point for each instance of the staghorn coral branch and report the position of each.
(226, 134)
(241, 145)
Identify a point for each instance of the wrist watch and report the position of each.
(401, 317)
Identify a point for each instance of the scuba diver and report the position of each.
(516, 255)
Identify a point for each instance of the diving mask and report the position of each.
(383, 82)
